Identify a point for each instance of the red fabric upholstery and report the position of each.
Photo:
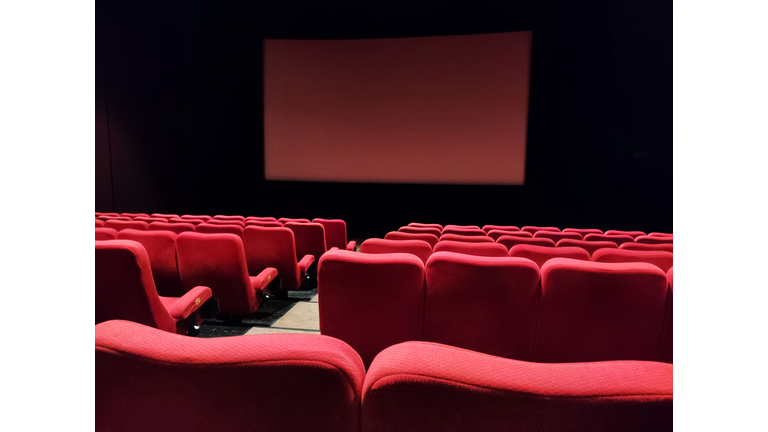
(134, 215)
(186, 221)
(618, 239)
(174, 227)
(592, 311)
(212, 228)
(666, 247)
(164, 215)
(335, 232)
(106, 233)
(118, 218)
(284, 220)
(309, 237)
(650, 239)
(557, 236)
(149, 220)
(396, 235)
(479, 249)
(589, 246)
(508, 241)
(495, 234)
(542, 254)
(230, 217)
(99, 223)
(428, 225)
(465, 238)
(421, 386)
(660, 234)
(661, 259)
(161, 249)
(261, 218)
(107, 214)
(371, 301)
(265, 223)
(665, 350)
(500, 295)
(420, 230)
(420, 248)
(535, 229)
(463, 231)
(273, 247)
(489, 228)
(147, 380)
(226, 222)
(469, 227)
(218, 261)
(632, 234)
(120, 225)
(584, 231)
(204, 218)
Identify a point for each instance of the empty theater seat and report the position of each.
(125, 290)
(660, 234)
(286, 220)
(632, 234)
(557, 236)
(211, 228)
(584, 231)
(661, 259)
(489, 228)
(230, 217)
(427, 225)
(495, 234)
(187, 221)
(535, 229)
(396, 235)
(465, 238)
(463, 231)
(508, 241)
(618, 239)
(667, 247)
(470, 227)
(134, 215)
(218, 261)
(99, 223)
(164, 215)
(421, 386)
(149, 220)
(226, 222)
(200, 217)
(106, 233)
(589, 246)
(479, 249)
(336, 233)
(275, 247)
(665, 352)
(116, 218)
(420, 230)
(542, 254)
(121, 225)
(147, 380)
(309, 238)
(592, 311)
(261, 218)
(371, 301)
(264, 223)
(109, 214)
(174, 227)
(499, 297)
(420, 248)
(161, 250)
(653, 240)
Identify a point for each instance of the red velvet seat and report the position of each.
(261, 218)
(371, 301)
(149, 220)
(542, 254)
(164, 215)
(661, 259)
(495, 234)
(285, 220)
(125, 290)
(632, 234)
(557, 236)
(212, 228)
(660, 234)
(420, 248)
(134, 215)
(263, 223)
(465, 238)
(665, 351)
(479, 249)
(171, 226)
(99, 223)
(118, 217)
(106, 233)
(420, 230)
(187, 221)
(396, 235)
(275, 247)
(469, 227)
(463, 231)
(489, 228)
(498, 295)
(109, 214)
(161, 250)
(336, 233)
(427, 225)
(230, 217)
(421, 386)
(120, 225)
(204, 218)
(509, 241)
(584, 231)
(534, 229)
(147, 380)
(654, 240)
(667, 247)
(218, 261)
(618, 239)
(592, 311)
(226, 222)
(309, 237)
(589, 246)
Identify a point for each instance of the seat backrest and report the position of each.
(471, 227)
(309, 238)
(632, 234)
(589, 246)
(261, 218)
(218, 262)
(116, 218)
(186, 221)
(489, 228)
(465, 238)
(508, 241)
(229, 217)
(335, 232)
(212, 228)
(170, 226)
(420, 248)
(660, 259)
(660, 234)
(557, 236)
(495, 234)
(427, 225)
(371, 301)
(463, 231)
(204, 218)
(147, 380)
(108, 214)
(134, 215)
(592, 311)
(99, 223)
(534, 229)
(665, 350)
(161, 250)
(420, 230)
(285, 220)
(618, 239)
(164, 215)
(264, 223)
(542, 254)
(396, 235)
(667, 247)
(226, 222)
(654, 240)
(272, 247)
(125, 289)
(584, 231)
(421, 386)
(149, 220)
(120, 225)
(500, 294)
(106, 233)
(479, 249)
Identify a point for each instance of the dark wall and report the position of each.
(179, 113)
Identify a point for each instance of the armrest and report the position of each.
(305, 263)
(351, 245)
(264, 278)
(190, 302)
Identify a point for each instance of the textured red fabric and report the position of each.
(420, 248)
(335, 232)
(499, 296)
(164, 215)
(124, 286)
(495, 234)
(371, 301)
(654, 240)
(618, 239)
(186, 221)
(395, 235)
(593, 311)
(120, 225)
(285, 220)
(204, 218)
(134, 215)
(107, 214)
(173, 227)
(589, 246)
(265, 223)
(106, 233)
(119, 218)
(161, 250)
(584, 231)
(468, 227)
(510, 240)
(665, 350)
(660, 234)
(557, 236)
(212, 228)
(479, 249)
(218, 262)
(466, 238)
(489, 228)
(182, 307)
(147, 381)
(226, 222)
(428, 225)
(230, 217)
(420, 230)
(309, 238)
(535, 229)
(463, 231)
(542, 254)
(666, 247)
(149, 220)
(661, 259)
(632, 234)
(420, 386)
(99, 223)
(273, 247)
(261, 218)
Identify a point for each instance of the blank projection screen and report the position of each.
(440, 109)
